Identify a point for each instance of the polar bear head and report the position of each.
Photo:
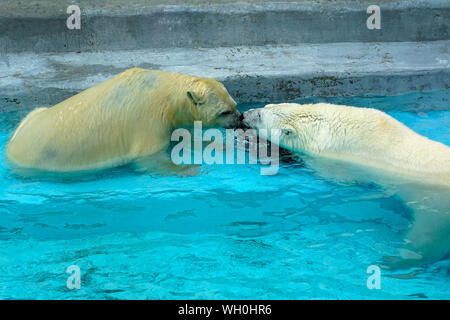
(212, 104)
(288, 124)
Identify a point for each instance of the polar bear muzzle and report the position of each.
(215, 106)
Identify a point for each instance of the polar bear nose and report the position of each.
(251, 117)
(253, 113)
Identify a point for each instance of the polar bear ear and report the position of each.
(194, 97)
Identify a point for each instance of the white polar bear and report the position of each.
(369, 145)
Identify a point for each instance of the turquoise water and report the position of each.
(227, 233)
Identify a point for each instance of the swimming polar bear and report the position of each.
(128, 117)
(369, 145)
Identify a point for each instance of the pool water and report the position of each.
(227, 233)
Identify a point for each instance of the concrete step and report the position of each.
(40, 26)
(252, 74)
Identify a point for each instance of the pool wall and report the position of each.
(263, 51)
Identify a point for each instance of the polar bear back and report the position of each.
(102, 124)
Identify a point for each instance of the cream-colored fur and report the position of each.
(367, 145)
(360, 135)
(127, 117)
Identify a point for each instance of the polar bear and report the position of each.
(128, 117)
(363, 144)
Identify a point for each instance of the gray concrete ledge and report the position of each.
(40, 26)
(252, 74)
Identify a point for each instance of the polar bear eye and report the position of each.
(225, 113)
(287, 132)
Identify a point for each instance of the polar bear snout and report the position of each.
(252, 118)
(230, 119)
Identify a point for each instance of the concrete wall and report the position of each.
(146, 24)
